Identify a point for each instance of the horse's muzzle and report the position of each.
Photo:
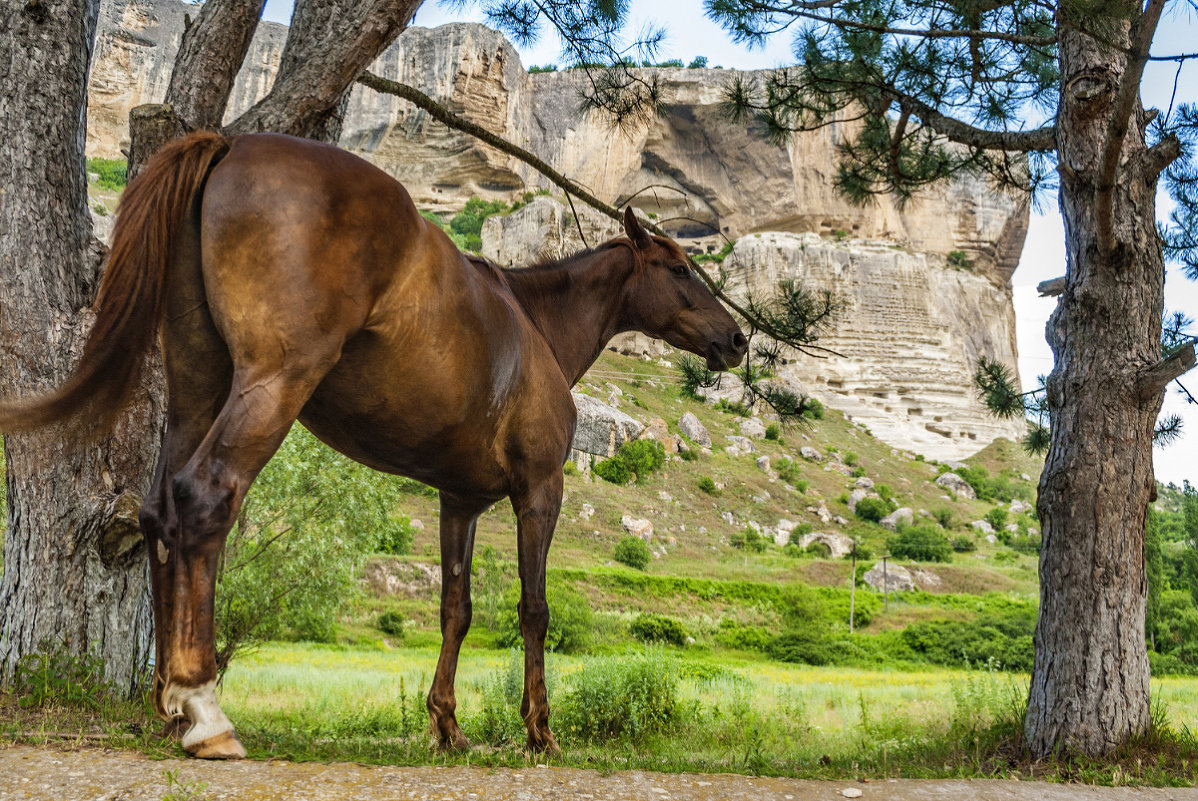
(723, 355)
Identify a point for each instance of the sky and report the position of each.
(691, 34)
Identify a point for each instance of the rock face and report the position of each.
(731, 178)
(957, 485)
(910, 329)
(601, 429)
(897, 578)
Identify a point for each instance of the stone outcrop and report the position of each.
(601, 429)
(909, 330)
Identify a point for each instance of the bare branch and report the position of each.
(1154, 380)
(1051, 288)
(933, 33)
(1040, 139)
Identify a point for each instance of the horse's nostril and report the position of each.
(739, 342)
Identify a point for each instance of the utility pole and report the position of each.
(885, 587)
(853, 588)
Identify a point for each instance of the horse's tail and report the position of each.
(131, 297)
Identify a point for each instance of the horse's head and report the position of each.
(668, 301)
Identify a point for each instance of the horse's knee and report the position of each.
(203, 505)
(456, 617)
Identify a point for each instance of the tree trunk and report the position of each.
(1089, 690)
(74, 568)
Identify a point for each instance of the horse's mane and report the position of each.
(545, 264)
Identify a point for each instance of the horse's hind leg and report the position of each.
(536, 517)
(458, 517)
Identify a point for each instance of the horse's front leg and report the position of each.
(536, 517)
(458, 517)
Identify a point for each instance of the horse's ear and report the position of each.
(632, 227)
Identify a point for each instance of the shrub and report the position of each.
(885, 492)
(569, 469)
(813, 409)
(746, 638)
(468, 223)
(396, 536)
(51, 676)
(773, 431)
(786, 468)
(800, 531)
(620, 698)
(921, 543)
(633, 552)
(653, 628)
(699, 62)
(748, 539)
(819, 550)
(997, 517)
(872, 509)
(945, 517)
(964, 545)
(733, 407)
(570, 619)
(689, 455)
(1028, 545)
(850, 458)
(858, 472)
(637, 458)
(391, 622)
(1005, 638)
(801, 485)
(800, 645)
(708, 486)
(534, 69)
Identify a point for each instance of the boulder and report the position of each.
(753, 428)
(637, 527)
(840, 545)
(983, 526)
(763, 464)
(864, 483)
(694, 430)
(658, 430)
(739, 445)
(957, 485)
(925, 579)
(601, 430)
(821, 512)
(897, 578)
(810, 454)
(1019, 507)
(855, 497)
(899, 517)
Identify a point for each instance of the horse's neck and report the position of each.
(577, 307)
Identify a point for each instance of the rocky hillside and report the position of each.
(925, 288)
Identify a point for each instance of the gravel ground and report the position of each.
(101, 774)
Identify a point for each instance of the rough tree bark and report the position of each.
(1089, 689)
(74, 564)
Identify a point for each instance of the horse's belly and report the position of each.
(411, 418)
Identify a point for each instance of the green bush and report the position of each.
(468, 223)
(688, 455)
(698, 63)
(749, 540)
(633, 552)
(651, 628)
(997, 518)
(620, 698)
(964, 545)
(850, 458)
(1005, 639)
(708, 486)
(800, 645)
(391, 622)
(921, 543)
(53, 677)
(813, 409)
(885, 492)
(773, 431)
(945, 517)
(818, 550)
(731, 634)
(800, 531)
(872, 509)
(1005, 487)
(637, 458)
(396, 536)
(110, 173)
(788, 471)
(570, 619)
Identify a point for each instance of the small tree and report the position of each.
(632, 551)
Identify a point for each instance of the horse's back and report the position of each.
(311, 253)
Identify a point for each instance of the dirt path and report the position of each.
(99, 774)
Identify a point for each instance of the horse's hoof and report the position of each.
(544, 744)
(175, 728)
(222, 746)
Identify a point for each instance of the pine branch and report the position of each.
(927, 33)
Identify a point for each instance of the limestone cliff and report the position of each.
(912, 326)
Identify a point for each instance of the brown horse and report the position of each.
(292, 280)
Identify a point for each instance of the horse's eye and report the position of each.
(680, 270)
